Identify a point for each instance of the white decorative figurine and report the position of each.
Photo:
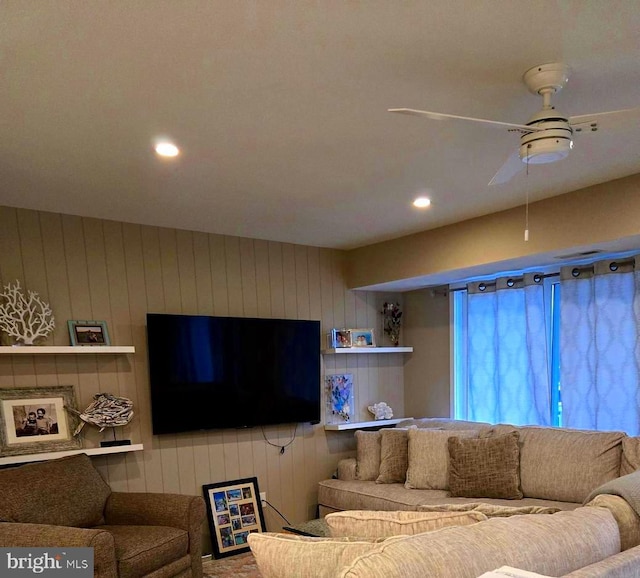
(23, 318)
(381, 410)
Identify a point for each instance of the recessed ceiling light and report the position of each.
(422, 202)
(167, 149)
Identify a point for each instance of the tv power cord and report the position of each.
(281, 447)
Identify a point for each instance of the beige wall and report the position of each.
(427, 371)
(600, 214)
(94, 269)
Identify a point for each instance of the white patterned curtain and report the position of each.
(600, 356)
(507, 371)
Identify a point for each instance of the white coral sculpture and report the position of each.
(25, 318)
(381, 410)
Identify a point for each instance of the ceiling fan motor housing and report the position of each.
(549, 145)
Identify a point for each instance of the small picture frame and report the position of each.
(234, 509)
(88, 333)
(35, 420)
(340, 398)
(340, 338)
(362, 338)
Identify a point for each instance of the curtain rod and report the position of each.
(613, 266)
(492, 283)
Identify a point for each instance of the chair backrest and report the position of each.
(64, 492)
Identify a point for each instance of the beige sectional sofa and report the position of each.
(587, 542)
(403, 477)
(557, 467)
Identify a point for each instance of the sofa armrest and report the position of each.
(146, 509)
(623, 565)
(46, 536)
(347, 469)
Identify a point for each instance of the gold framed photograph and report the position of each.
(35, 420)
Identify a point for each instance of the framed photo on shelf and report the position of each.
(234, 510)
(340, 398)
(88, 332)
(340, 338)
(362, 338)
(34, 420)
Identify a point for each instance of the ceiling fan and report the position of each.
(547, 135)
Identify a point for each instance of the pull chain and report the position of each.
(526, 205)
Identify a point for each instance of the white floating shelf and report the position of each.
(63, 349)
(362, 424)
(367, 350)
(53, 455)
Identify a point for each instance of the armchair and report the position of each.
(66, 502)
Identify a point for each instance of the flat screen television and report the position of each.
(232, 372)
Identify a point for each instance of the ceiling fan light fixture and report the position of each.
(547, 150)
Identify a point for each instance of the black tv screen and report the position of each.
(232, 372)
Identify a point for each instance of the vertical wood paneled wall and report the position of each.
(95, 269)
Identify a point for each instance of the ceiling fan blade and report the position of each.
(512, 166)
(611, 119)
(442, 116)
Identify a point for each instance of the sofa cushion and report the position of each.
(336, 495)
(378, 524)
(368, 444)
(489, 510)
(141, 550)
(485, 467)
(64, 492)
(290, 556)
(553, 545)
(428, 457)
(566, 465)
(393, 456)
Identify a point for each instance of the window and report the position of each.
(507, 354)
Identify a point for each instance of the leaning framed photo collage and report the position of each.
(234, 510)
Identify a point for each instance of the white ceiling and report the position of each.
(280, 109)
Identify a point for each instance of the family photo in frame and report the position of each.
(340, 338)
(234, 510)
(362, 338)
(88, 333)
(36, 420)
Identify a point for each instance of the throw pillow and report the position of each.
(291, 556)
(393, 456)
(371, 524)
(428, 465)
(368, 445)
(485, 467)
